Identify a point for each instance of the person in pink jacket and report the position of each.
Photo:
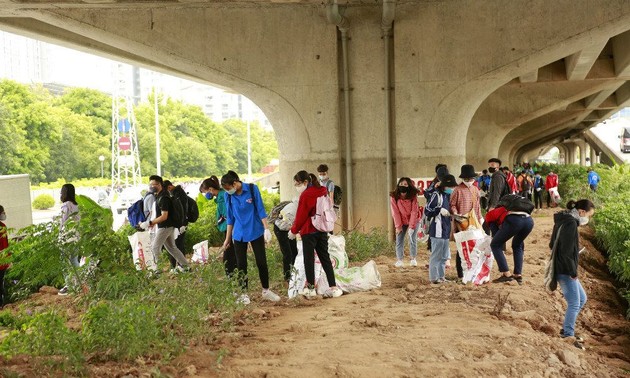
(404, 206)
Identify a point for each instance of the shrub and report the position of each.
(363, 246)
(43, 202)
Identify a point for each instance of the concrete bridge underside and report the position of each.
(469, 80)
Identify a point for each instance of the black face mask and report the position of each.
(492, 169)
(403, 189)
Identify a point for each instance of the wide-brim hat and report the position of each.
(468, 171)
(448, 181)
(441, 172)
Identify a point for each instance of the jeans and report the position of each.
(70, 278)
(400, 242)
(538, 198)
(576, 298)
(440, 253)
(229, 258)
(317, 241)
(260, 254)
(180, 242)
(164, 238)
(516, 227)
(289, 251)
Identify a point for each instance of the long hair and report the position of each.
(230, 178)
(582, 204)
(302, 176)
(412, 191)
(211, 182)
(68, 193)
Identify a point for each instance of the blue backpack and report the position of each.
(135, 213)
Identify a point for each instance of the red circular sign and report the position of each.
(124, 143)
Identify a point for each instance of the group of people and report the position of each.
(242, 218)
(452, 206)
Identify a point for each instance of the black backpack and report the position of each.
(337, 195)
(514, 202)
(192, 213)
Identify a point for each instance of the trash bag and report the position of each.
(142, 252)
(473, 247)
(337, 251)
(352, 280)
(200, 252)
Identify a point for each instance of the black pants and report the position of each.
(458, 263)
(2, 287)
(240, 249)
(538, 199)
(229, 258)
(289, 251)
(317, 241)
(548, 199)
(179, 242)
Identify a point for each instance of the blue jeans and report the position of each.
(576, 298)
(400, 243)
(440, 254)
(517, 228)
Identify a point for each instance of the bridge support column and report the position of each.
(593, 156)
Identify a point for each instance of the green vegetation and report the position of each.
(611, 221)
(43, 202)
(60, 138)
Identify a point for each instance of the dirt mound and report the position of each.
(411, 328)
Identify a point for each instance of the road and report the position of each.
(609, 134)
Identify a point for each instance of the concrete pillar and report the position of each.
(582, 147)
(593, 156)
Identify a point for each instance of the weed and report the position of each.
(500, 305)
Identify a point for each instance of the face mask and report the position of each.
(209, 196)
(322, 177)
(403, 189)
(300, 188)
(3, 217)
(492, 169)
(231, 191)
(448, 190)
(468, 183)
(584, 221)
(152, 189)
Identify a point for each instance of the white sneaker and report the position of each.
(309, 293)
(413, 262)
(243, 299)
(333, 293)
(399, 264)
(269, 295)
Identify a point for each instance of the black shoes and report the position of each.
(578, 338)
(503, 279)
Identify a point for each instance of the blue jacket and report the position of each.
(593, 178)
(538, 182)
(440, 225)
(240, 213)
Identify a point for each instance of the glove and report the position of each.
(444, 212)
(267, 236)
(398, 231)
(291, 235)
(144, 225)
(183, 229)
(410, 231)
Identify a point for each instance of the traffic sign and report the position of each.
(124, 143)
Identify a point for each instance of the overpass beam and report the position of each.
(621, 53)
(579, 64)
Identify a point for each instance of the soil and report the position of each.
(410, 328)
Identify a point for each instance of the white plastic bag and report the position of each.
(143, 257)
(555, 195)
(337, 251)
(473, 247)
(352, 280)
(200, 253)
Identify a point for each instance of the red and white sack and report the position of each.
(473, 247)
(200, 253)
(142, 252)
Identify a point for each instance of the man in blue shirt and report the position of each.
(593, 179)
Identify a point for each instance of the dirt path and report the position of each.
(409, 328)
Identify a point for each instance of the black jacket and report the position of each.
(497, 188)
(568, 244)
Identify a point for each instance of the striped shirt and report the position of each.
(462, 200)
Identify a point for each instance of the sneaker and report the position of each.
(399, 264)
(579, 345)
(333, 293)
(518, 279)
(413, 262)
(503, 279)
(243, 299)
(63, 291)
(577, 337)
(309, 293)
(269, 295)
(436, 282)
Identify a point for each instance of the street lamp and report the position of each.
(102, 159)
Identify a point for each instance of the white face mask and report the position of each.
(584, 221)
(468, 183)
(3, 217)
(300, 188)
(323, 177)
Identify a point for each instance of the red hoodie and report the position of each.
(4, 242)
(496, 215)
(306, 209)
(552, 181)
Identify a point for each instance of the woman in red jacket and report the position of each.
(313, 240)
(4, 244)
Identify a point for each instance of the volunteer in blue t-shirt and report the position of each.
(247, 223)
(593, 179)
